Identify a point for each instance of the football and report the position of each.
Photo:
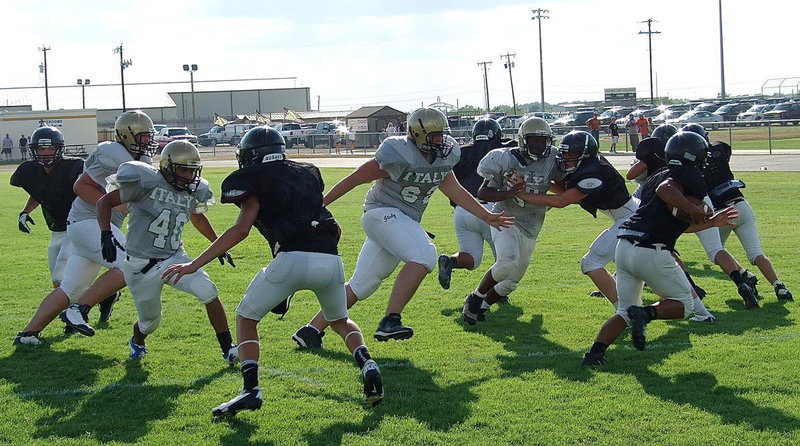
(683, 216)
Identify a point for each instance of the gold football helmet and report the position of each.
(429, 130)
(135, 132)
(535, 138)
(184, 155)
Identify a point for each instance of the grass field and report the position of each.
(515, 379)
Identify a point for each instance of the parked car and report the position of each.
(710, 107)
(647, 112)
(666, 115)
(322, 133)
(548, 117)
(729, 112)
(158, 127)
(510, 121)
(565, 124)
(169, 134)
(618, 112)
(227, 134)
(701, 117)
(292, 133)
(784, 112)
(754, 114)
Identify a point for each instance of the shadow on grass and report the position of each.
(63, 383)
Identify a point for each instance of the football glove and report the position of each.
(226, 256)
(24, 219)
(109, 246)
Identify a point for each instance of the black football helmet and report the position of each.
(486, 129)
(576, 146)
(47, 138)
(686, 148)
(664, 132)
(696, 128)
(259, 145)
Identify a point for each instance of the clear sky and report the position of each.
(399, 53)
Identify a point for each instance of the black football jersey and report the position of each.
(653, 222)
(291, 215)
(717, 174)
(603, 185)
(466, 170)
(52, 190)
(651, 152)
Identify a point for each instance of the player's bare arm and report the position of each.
(672, 193)
(367, 172)
(491, 194)
(201, 223)
(104, 206)
(725, 217)
(87, 189)
(456, 192)
(230, 238)
(568, 197)
(637, 168)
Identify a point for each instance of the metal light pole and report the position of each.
(485, 83)
(510, 64)
(539, 15)
(123, 64)
(650, 33)
(83, 83)
(191, 69)
(721, 56)
(44, 50)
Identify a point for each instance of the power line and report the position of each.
(510, 64)
(485, 65)
(650, 33)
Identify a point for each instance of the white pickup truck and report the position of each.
(292, 133)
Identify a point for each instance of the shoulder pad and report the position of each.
(236, 187)
(110, 155)
(494, 164)
(456, 147)
(395, 149)
(203, 192)
(25, 171)
(588, 177)
(133, 172)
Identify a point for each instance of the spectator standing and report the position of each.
(23, 147)
(594, 128)
(633, 132)
(391, 130)
(644, 126)
(351, 140)
(8, 144)
(613, 128)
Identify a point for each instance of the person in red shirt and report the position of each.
(644, 126)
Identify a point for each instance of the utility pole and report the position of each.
(510, 64)
(485, 83)
(44, 50)
(123, 64)
(539, 15)
(650, 33)
(721, 56)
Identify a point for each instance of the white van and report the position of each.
(229, 134)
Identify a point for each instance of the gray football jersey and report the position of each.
(412, 179)
(500, 163)
(158, 211)
(100, 165)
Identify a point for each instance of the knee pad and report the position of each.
(205, 291)
(364, 288)
(752, 256)
(506, 287)
(149, 326)
(711, 242)
(503, 269)
(589, 263)
(426, 256)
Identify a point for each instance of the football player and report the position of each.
(506, 171)
(134, 141)
(646, 240)
(472, 232)
(48, 178)
(160, 202)
(406, 170)
(724, 190)
(283, 200)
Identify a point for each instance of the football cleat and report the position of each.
(247, 400)
(391, 327)
(597, 293)
(232, 357)
(708, 319)
(782, 293)
(748, 294)
(77, 318)
(308, 337)
(638, 319)
(107, 306)
(752, 280)
(472, 309)
(28, 338)
(137, 351)
(594, 358)
(701, 293)
(446, 265)
(373, 386)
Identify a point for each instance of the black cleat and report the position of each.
(639, 321)
(391, 327)
(782, 293)
(308, 337)
(107, 307)
(752, 280)
(247, 400)
(594, 358)
(748, 294)
(597, 293)
(471, 312)
(446, 265)
(373, 385)
(77, 318)
(28, 338)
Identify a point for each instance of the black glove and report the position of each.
(109, 246)
(226, 256)
(24, 219)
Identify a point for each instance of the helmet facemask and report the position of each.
(134, 130)
(536, 146)
(428, 129)
(179, 181)
(54, 155)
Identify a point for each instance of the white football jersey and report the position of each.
(157, 210)
(412, 179)
(500, 163)
(100, 165)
